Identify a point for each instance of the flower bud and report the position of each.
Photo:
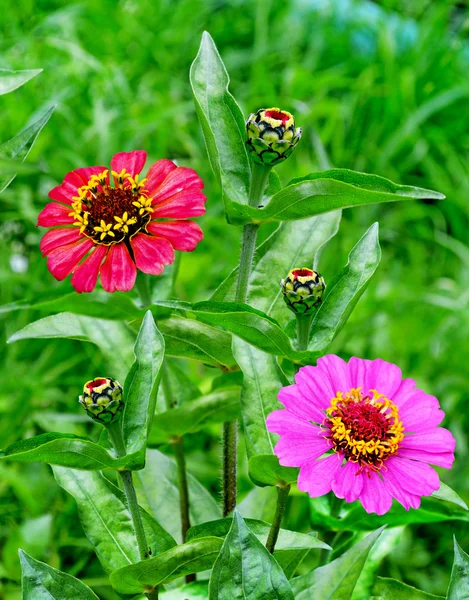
(272, 135)
(302, 290)
(102, 399)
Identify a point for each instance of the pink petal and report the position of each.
(118, 272)
(283, 421)
(416, 477)
(183, 235)
(441, 459)
(133, 162)
(392, 485)
(294, 450)
(438, 440)
(374, 497)
(348, 482)
(405, 392)
(180, 196)
(377, 374)
(85, 276)
(336, 370)
(151, 253)
(315, 386)
(58, 237)
(54, 214)
(316, 477)
(157, 173)
(74, 180)
(301, 404)
(62, 261)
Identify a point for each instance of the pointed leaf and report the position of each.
(42, 582)
(20, 146)
(345, 290)
(390, 589)
(246, 569)
(336, 580)
(193, 557)
(459, 583)
(12, 80)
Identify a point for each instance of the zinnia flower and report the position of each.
(115, 230)
(378, 432)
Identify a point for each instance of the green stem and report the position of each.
(259, 177)
(143, 287)
(303, 327)
(117, 439)
(282, 495)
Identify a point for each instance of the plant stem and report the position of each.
(115, 433)
(282, 495)
(303, 327)
(143, 287)
(259, 177)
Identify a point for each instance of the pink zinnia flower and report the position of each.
(379, 431)
(112, 231)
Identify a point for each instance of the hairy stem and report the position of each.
(115, 433)
(282, 495)
(260, 175)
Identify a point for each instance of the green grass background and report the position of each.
(377, 87)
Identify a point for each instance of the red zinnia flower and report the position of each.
(119, 228)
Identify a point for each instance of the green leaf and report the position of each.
(249, 324)
(186, 338)
(390, 589)
(217, 407)
(67, 450)
(158, 492)
(449, 495)
(336, 580)
(323, 192)
(141, 386)
(42, 582)
(106, 519)
(264, 469)
(262, 382)
(12, 80)
(20, 146)
(287, 540)
(459, 583)
(113, 338)
(192, 557)
(246, 569)
(198, 590)
(222, 122)
(345, 290)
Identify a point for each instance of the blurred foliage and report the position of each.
(379, 87)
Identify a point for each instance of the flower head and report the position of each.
(102, 399)
(272, 135)
(302, 290)
(113, 230)
(378, 432)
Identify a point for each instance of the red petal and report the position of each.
(86, 275)
(133, 162)
(183, 235)
(180, 196)
(58, 237)
(157, 173)
(72, 181)
(62, 261)
(151, 253)
(54, 214)
(118, 272)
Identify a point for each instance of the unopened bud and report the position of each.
(302, 290)
(272, 135)
(102, 399)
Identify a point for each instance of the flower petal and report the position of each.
(183, 235)
(303, 405)
(118, 272)
(316, 477)
(416, 477)
(283, 421)
(85, 275)
(294, 450)
(348, 483)
(439, 459)
(63, 260)
(393, 486)
(54, 214)
(438, 440)
(58, 237)
(133, 162)
(72, 181)
(180, 196)
(314, 386)
(157, 174)
(336, 370)
(151, 253)
(375, 375)
(374, 496)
